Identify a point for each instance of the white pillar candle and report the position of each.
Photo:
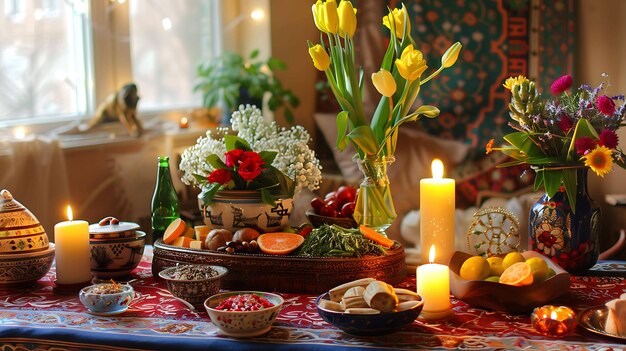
(437, 214)
(71, 240)
(433, 285)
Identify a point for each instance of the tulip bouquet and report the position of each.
(398, 81)
(560, 135)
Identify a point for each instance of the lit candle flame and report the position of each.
(553, 315)
(431, 254)
(437, 168)
(70, 216)
(257, 14)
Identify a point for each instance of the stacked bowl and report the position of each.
(116, 248)
(25, 253)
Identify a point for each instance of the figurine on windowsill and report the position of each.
(120, 106)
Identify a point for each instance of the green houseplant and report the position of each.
(232, 80)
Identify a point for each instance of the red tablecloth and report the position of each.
(38, 318)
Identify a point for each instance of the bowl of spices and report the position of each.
(193, 283)
(243, 314)
(107, 299)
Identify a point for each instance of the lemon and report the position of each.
(475, 268)
(495, 265)
(539, 267)
(512, 258)
(518, 274)
(493, 278)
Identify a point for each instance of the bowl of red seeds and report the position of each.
(243, 314)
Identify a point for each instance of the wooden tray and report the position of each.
(291, 274)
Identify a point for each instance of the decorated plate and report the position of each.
(593, 320)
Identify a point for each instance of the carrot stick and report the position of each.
(375, 236)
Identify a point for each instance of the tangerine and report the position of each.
(518, 274)
(279, 243)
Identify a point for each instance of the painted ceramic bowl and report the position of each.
(368, 324)
(20, 231)
(243, 324)
(100, 299)
(235, 209)
(194, 291)
(317, 220)
(117, 257)
(26, 268)
(503, 297)
(112, 228)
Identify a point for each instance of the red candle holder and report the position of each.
(554, 321)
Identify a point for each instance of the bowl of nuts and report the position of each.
(243, 314)
(193, 283)
(107, 299)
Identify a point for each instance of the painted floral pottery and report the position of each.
(100, 302)
(194, 291)
(116, 257)
(25, 268)
(20, 231)
(235, 209)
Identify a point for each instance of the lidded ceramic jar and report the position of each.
(116, 247)
(20, 231)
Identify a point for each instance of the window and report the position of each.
(60, 58)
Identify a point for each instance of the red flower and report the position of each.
(565, 123)
(249, 169)
(253, 157)
(561, 84)
(605, 105)
(584, 145)
(608, 138)
(233, 157)
(221, 176)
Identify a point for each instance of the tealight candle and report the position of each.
(433, 285)
(437, 214)
(183, 122)
(71, 240)
(553, 321)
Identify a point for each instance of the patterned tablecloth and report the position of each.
(39, 319)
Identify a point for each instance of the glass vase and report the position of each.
(569, 238)
(374, 205)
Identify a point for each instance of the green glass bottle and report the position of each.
(164, 208)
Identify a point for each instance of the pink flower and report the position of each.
(608, 138)
(605, 105)
(565, 123)
(561, 84)
(233, 157)
(584, 145)
(221, 176)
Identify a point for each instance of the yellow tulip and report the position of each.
(411, 64)
(397, 17)
(320, 57)
(347, 18)
(383, 82)
(451, 55)
(325, 16)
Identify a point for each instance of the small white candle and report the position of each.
(437, 214)
(433, 285)
(71, 240)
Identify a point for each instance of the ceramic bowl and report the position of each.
(106, 304)
(114, 258)
(22, 269)
(368, 324)
(317, 220)
(193, 291)
(20, 230)
(507, 298)
(243, 324)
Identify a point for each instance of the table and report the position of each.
(39, 319)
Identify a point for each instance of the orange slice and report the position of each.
(518, 274)
(182, 241)
(174, 230)
(279, 243)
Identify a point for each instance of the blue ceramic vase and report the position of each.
(569, 238)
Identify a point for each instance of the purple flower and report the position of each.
(605, 105)
(561, 84)
(608, 138)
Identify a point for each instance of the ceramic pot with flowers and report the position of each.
(248, 179)
(398, 81)
(562, 138)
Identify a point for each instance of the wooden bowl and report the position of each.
(317, 220)
(507, 298)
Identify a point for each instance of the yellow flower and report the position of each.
(383, 82)
(320, 57)
(396, 16)
(451, 55)
(411, 64)
(325, 16)
(599, 160)
(511, 81)
(347, 18)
